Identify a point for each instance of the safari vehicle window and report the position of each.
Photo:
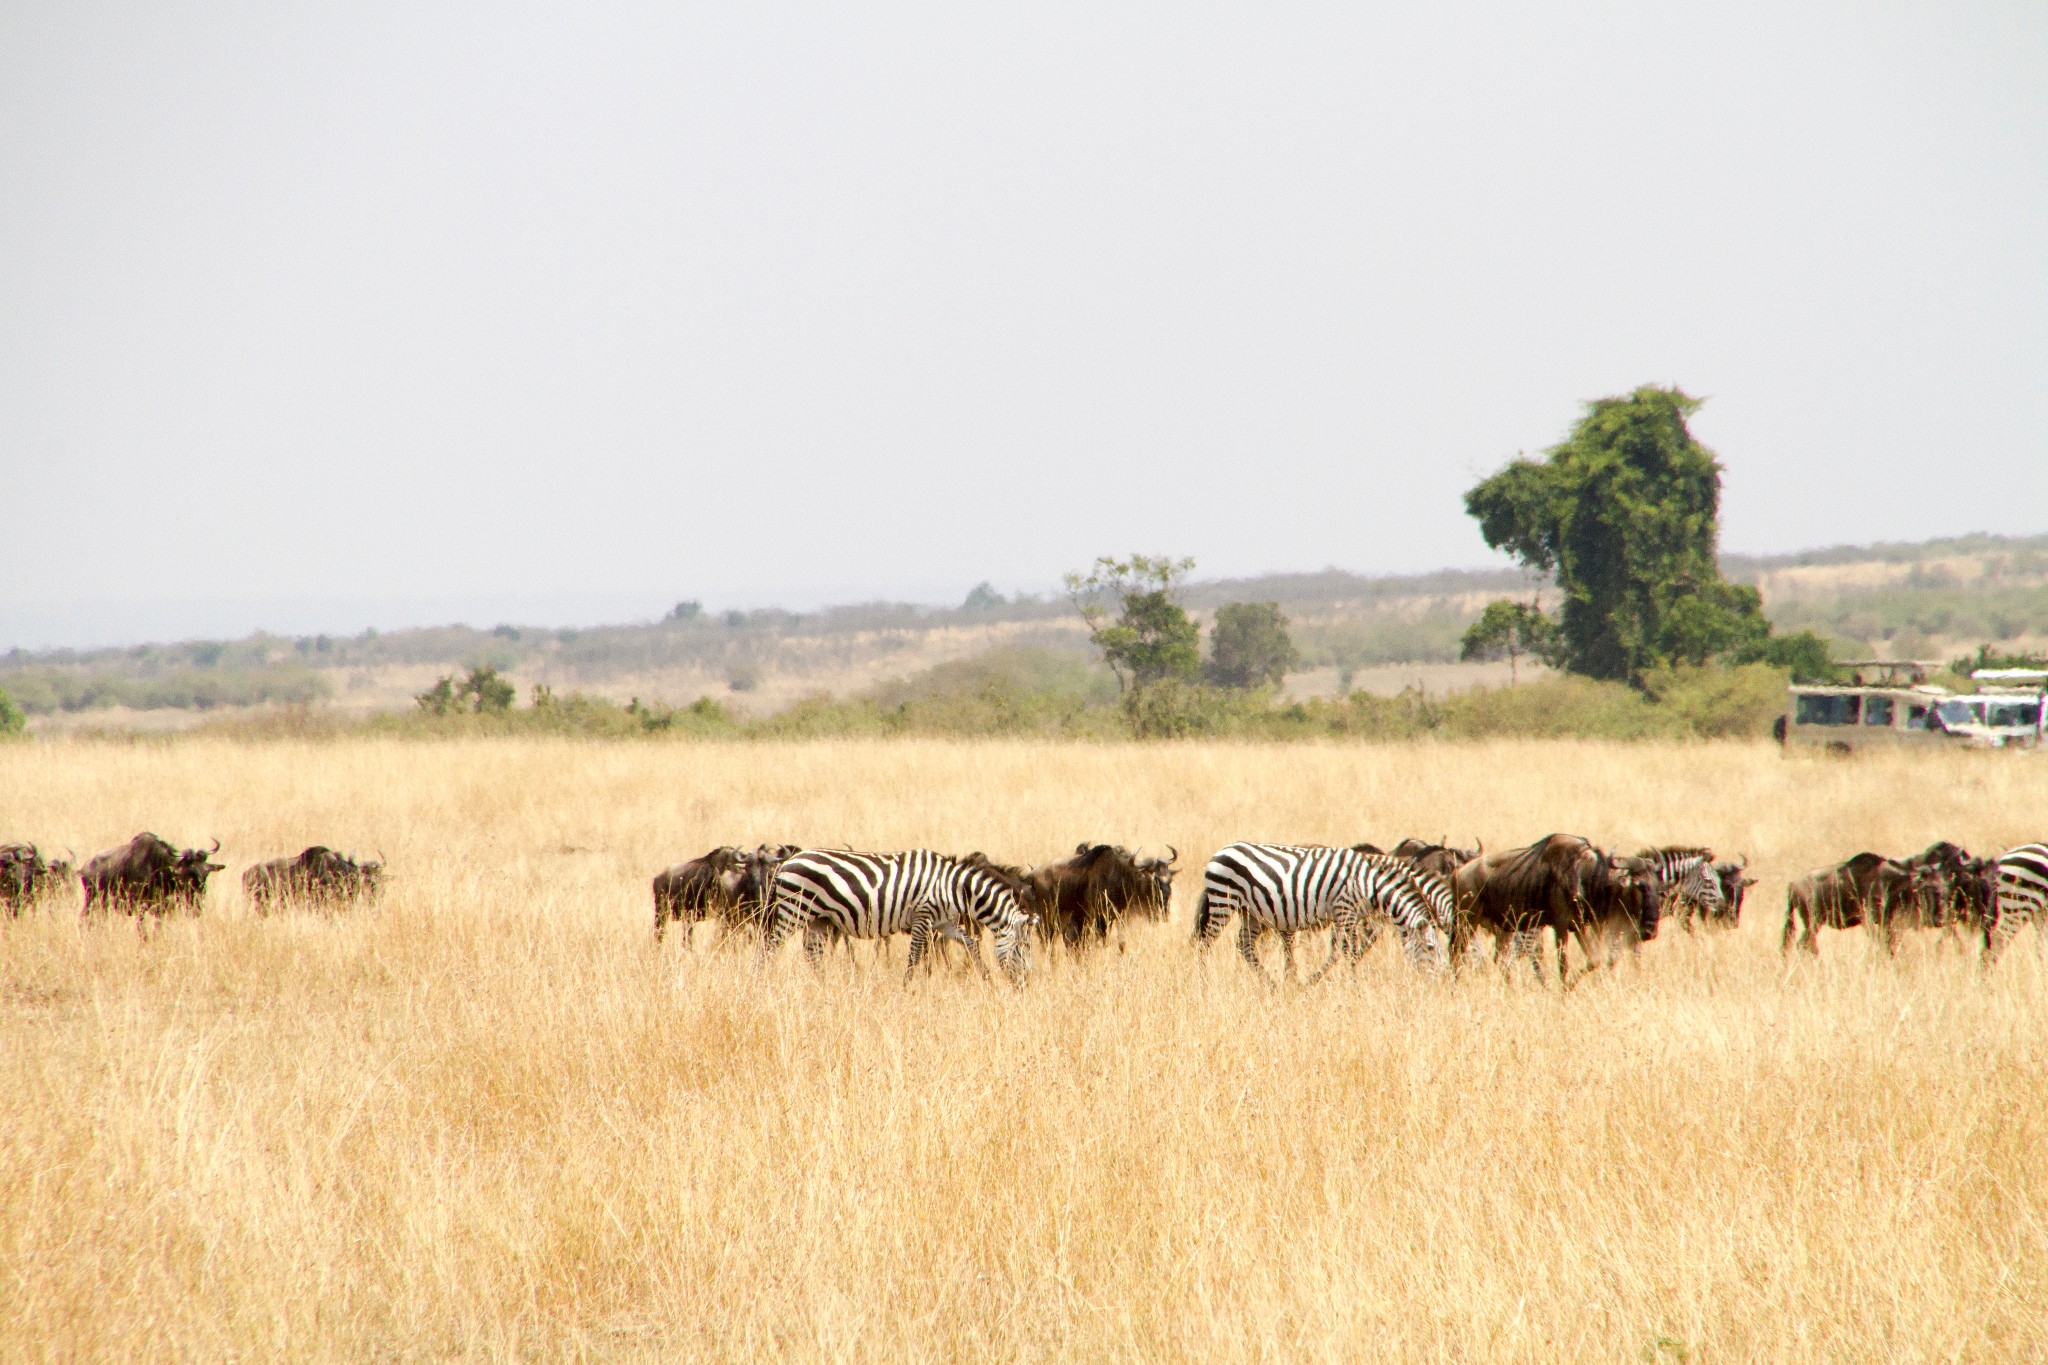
(2026, 713)
(1960, 713)
(1916, 718)
(1829, 710)
(1877, 710)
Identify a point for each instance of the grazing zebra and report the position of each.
(2022, 897)
(1688, 883)
(874, 895)
(1288, 889)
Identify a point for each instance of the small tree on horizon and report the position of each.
(483, 691)
(1509, 629)
(1249, 646)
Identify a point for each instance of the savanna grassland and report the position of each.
(492, 1120)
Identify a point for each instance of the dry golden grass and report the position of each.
(493, 1121)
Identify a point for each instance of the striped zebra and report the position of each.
(874, 895)
(1687, 882)
(2022, 898)
(1289, 888)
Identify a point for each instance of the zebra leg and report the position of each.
(951, 930)
(1248, 944)
(2000, 932)
(815, 939)
(782, 920)
(920, 935)
(1364, 933)
(1287, 952)
(1340, 931)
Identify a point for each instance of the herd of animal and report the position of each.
(150, 877)
(1435, 897)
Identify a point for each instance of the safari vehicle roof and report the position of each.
(1888, 689)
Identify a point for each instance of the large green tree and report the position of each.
(1625, 514)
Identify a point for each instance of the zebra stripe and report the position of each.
(1289, 888)
(2022, 899)
(875, 895)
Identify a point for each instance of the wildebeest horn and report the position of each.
(1172, 855)
(1744, 867)
(215, 848)
(1478, 843)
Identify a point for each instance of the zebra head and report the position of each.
(995, 902)
(1013, 931)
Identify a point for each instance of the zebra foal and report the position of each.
(1289, 888)
(874, 895)
(1686, 883)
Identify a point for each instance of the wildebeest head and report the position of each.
(756, 884)
(1946, 882)
(1159, 873)
(1629, 887)
(188, 877)
(1440, 858)
(1734, 885)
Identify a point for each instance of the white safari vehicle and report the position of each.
(2007, 712)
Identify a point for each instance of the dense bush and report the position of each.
(43, 690)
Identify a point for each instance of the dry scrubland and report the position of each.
(492, 1121)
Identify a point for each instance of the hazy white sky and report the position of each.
(364, 312)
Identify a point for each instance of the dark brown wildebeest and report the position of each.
(147, 875)
(687, 892)
(1868, 887)
(1078, 900)
(318, 876)
(26, 878)
(1955, 893)
(730, 883)
(1561, 883)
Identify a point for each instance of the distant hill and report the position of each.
(1931, 599)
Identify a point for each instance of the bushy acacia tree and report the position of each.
(484, 690)
(1150, 638)
(1625, 514)
(1249, 645)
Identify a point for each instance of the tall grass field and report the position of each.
(491, 1120)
